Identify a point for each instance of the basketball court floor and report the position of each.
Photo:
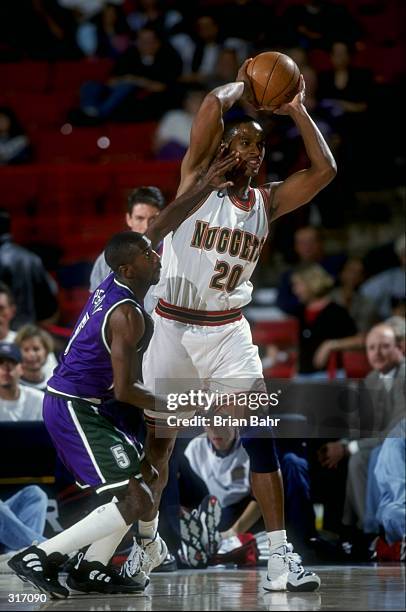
(363, 587)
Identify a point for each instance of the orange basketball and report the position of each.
(274, 79)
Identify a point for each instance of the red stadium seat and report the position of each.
(71, 303)
(164, 175)
(129, 141)
(71, 75)
(19, 188)
(84, 240)
(41, 110)
(355, 364)
(24, 76)
(283, 333)
(79, 145)
(286, 369)
(76, 190)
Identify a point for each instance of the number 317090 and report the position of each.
(27, 598)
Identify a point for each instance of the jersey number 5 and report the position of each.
(120, 456)
(225, 279)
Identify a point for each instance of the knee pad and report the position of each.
(260, 447)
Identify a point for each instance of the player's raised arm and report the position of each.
(301, 187)
(125, 329)
(175, 213)
(208, 126)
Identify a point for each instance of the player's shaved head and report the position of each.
(122, 248)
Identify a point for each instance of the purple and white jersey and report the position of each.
(85, 369)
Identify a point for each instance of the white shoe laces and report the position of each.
(134, 560)
(295, 562)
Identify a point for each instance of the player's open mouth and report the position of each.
(254, 163)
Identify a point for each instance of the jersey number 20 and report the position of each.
(226, 278)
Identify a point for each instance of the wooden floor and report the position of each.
(364, 587)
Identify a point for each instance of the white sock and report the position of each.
(100, 523)
(277, 539)
(148, 529)
(104, 549)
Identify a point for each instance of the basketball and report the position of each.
(274, 79)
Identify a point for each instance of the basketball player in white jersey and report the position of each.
(200, 332)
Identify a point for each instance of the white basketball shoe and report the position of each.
(286, 573)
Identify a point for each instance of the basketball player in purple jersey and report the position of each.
(101, 362)
(206, 268)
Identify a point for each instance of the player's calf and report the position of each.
(138, 501)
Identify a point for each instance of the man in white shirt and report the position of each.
(218, 459)
(17, 403)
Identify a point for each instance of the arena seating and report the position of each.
(354, 363)
(284, 333)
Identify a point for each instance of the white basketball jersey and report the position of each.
(208, 261)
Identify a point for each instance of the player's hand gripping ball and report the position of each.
(274, 79)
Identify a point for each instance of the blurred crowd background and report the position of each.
(97, 99)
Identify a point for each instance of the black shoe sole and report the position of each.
(107, 589)
(308, 587)
(39, 586)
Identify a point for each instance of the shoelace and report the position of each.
(135, 559)
(294, 562)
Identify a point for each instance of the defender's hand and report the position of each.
(222, 163)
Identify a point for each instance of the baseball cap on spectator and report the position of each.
(10, 351)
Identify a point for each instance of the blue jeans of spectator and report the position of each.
(386, 489)
(22, 518)
(299, 510)
(104, 99)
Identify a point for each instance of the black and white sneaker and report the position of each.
(168, 564)
(41, 570)
(286, 573)
(94, 577)
(193, 551)
(210, 515)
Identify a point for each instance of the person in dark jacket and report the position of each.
(320, 317)
(24, 273)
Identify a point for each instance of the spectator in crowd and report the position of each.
(173, 131)
(217, 465)
(204, 50)
(226, 69)
(145, 73)
(388, 285)
(398, 324)
(378, 416)
(314, 24)
(320, 319)
(107, 34)
(252, 21)
(22, 520)
(309, 248)
(153, 13)
(360, 308)
(17, 403)
(144, 205)
(33, 289)
(35, 346)
(14, 144)
(7, 314)
(345, 94)
(344, 89)
(385, 511)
